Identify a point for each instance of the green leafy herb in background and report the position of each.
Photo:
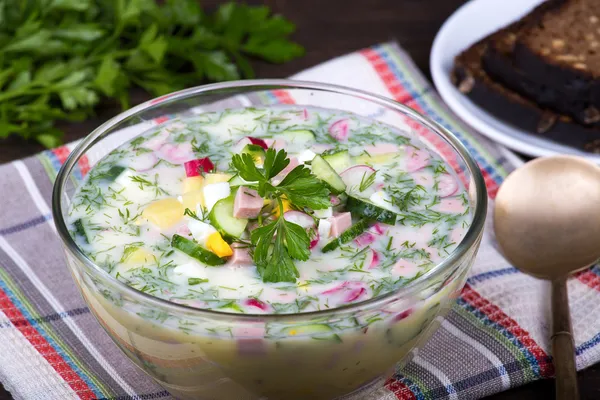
(58, 58)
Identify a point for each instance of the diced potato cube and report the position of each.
(193, 184)
(139, 256)
(192, 200)
(216, 178)
(217, 245)
(164, 213)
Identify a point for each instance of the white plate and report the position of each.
(467, 25)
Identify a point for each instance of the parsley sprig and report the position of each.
(59, 58)
(279, 243)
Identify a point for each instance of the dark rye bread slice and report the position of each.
(472, 80)
(553, 58)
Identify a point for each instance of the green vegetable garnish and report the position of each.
(279, 243)
(59, 58)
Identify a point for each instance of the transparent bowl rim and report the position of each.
(469, 240)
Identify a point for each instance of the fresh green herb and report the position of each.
(196, 281)
(366, 181)
(58, 59)
(274, 259)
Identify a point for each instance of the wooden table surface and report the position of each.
(329, 28)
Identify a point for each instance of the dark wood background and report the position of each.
(329, 28)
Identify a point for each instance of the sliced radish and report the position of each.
(416, 159)
(365, 239)
(256, 303)
(144, 162)
(299, 218)
(355, 294)
(243, 142)
(423, 178)
(305, 114)
(339, 129)
(157, 141)
(354, 176)
(381, 148)
(176, 153)
(277, 144)
(258, 142)
(372, 259)
(198, 167)
(447, 185)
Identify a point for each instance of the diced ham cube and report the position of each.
(247, 203)
(241, 255)
(340, 223)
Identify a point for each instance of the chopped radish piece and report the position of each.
(423, 178)
(372, 259)
(364, 239)
(314, 241)
(335, 201)
(447, 185)
(404, 314)
(416, 159)
(258, 142)
(299, 218)
(354, 176)
(198, 167)
(377, 229)
(339, 129)
(176, 153)
(261, 305)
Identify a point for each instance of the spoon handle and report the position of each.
(563, 346)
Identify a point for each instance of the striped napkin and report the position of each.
(495, 338)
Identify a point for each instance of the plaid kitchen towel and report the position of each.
(495, 338)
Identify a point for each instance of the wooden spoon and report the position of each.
(547, 223)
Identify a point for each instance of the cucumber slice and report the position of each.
(316, 331)
(195, 251)
(80, 230)
(370, 211)
(327, 174)
(256, 151)
(298, 136)
(347, 236)
(113, 173)
(221, 217)
(237, 181)
(339, 160)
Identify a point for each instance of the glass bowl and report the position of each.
(203, 354)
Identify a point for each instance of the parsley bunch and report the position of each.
(279, 243)
(58, 58)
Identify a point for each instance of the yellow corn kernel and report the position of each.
(193, 184)
(287, 206)
(191, 200)
(139, 256)
(164, 213)
(293, 332)
(216, 178)
(217, 245)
